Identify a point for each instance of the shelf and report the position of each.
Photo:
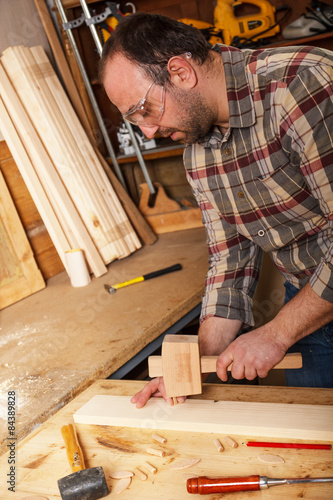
(152, 154)
(301, 41)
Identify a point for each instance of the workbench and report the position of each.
(41, 456)
(55, 343)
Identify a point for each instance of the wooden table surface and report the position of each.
(41, 456)
(55, 343)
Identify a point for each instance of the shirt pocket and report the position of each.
(290, 192)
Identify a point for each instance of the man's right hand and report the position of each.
(154, 388)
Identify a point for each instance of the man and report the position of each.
(259, 152)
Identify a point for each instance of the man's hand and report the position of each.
(154, 388)
(251, 354)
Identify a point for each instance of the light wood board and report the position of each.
(195, 415)
(42, 456)
(19, 274)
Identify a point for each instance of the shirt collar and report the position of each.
(241, 105)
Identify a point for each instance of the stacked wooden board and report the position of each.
(60, 167)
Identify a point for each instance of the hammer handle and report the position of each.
(73, 450)
(208, 364)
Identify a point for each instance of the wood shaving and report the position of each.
(271, 459)
(120, 474)
(185, 464)
(122, 485)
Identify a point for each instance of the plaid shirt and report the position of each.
(267, 183)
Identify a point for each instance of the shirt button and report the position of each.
(227, 151)
(241, 194)
(261, 232)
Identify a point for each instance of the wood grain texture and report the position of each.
(43, 457)
(223, 417)
(57, 342)
(181, 365)
(44, 250)
(19, 274)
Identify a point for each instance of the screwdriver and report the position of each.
(205, 485)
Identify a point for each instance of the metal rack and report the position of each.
(91, 22)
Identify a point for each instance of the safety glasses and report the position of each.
(149, 110)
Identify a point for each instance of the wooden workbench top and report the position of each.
(41, 457)
(57, 342)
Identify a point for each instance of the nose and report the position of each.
(149, 131)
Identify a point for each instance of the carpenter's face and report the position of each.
(179, 114)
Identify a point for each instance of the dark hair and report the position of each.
(149, 40)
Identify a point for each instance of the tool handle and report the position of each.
(73, 450)
(290, 361)
(166, 270)
(208, 364)
(205, 485)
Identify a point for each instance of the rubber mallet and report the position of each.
(83, 484)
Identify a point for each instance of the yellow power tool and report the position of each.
(232, 29)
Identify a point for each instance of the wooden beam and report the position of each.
(57, 194)
(224, 417)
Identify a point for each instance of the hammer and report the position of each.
(83, 484)
(181, 365)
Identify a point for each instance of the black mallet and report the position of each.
(83, 484)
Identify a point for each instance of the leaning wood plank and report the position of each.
(57, 139)
(57, 193)
(139, 223)
(224, 417)
(94, 170)
(32, 182)
(68, 145)
(19, 274)
(62, 64)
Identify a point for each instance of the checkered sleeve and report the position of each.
(234, 267)
(307, 136)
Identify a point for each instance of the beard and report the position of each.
(196, 118)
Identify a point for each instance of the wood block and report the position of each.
(181, 365)
(278, 420)
(175, 221)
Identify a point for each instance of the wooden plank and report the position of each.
(19, 274)
(71, 152)
(139, 223)
(63, 65)
(42, 457)
(44, 250)
(123, 236)
(57, 194)
(224, 417)
(30, 177)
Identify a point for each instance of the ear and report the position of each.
(182, 74)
